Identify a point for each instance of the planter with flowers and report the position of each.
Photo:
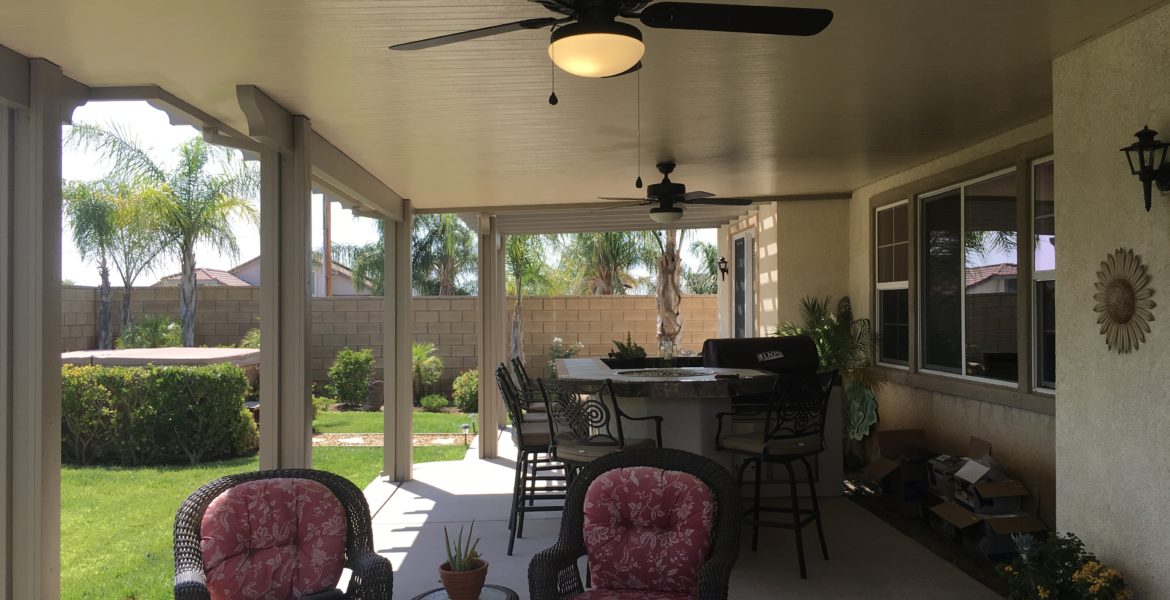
(1060, 568)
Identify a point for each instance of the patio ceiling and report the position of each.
(887, 86)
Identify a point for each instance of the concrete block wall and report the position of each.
(451, 323)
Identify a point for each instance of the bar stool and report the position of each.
(534, 463)
(586, 422)
(793, 430)
(532, 400)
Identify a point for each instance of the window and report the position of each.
(968, 295)
(1044, 272)
(893, 295)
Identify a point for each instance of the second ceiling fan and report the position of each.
(670, 197)
(587, 40)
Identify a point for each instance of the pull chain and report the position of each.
(638, 143)
(552, 75)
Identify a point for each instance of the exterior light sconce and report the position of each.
(722, 268)
(1147, 160)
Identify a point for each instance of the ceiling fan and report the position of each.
(670, 196)
(588, 40)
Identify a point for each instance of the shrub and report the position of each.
(425, 367)
(1060, 567)
(559, 349)
(433, 403)
(465, 391)
(149, 415)
(155, 331)
(320, 405)
(629, 350)
(350, 376)
(251, 339)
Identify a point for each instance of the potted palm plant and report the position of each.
(464, 573)
(846, 345)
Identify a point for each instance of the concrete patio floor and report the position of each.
(870, 559)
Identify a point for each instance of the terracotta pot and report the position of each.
(464, 585)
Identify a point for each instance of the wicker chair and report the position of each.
(372, 577)
(553, 573)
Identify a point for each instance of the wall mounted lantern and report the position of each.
(722, 268)
(1147, 160)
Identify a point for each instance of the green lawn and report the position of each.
(371, 422)
(116, 523)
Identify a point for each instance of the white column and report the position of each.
(285, 297)
(490, 348)
(397, 337)
(30, 328)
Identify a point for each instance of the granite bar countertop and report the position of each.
(683, 382)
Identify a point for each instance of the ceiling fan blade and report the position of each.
(639, 203)
(463, 36)
(687, 197)
(618, 199)
(774, 20)
(721, 201)
(637, 66)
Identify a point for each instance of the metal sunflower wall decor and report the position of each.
(1123, 301)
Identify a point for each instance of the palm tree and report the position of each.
(444, 256)
(603, 262)
(91, 216)
(368, 261)
(705, 279)
(525, 264)
(669, 286)
(138, 238)
(209, 187)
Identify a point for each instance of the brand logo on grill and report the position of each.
(770, 355)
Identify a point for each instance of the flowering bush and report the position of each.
(559, 349)
(1060, 569)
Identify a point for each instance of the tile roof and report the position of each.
(977, 275)
(215, 277)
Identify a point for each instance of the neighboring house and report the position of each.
(991, 279)
(343, 283)
(205, 277)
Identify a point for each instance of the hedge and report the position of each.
(155, 415)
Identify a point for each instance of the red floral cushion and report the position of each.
(631, 595)
(647, 529)
(273, 539)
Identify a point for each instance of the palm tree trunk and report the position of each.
(127, 317)
(669, 291)
(516, 343)
(187, 295)
(105, 337)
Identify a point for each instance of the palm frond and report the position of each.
(116, 144)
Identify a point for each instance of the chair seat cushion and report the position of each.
(581, 452)
(533, 436)
(273, 538)
(537, 407)
(647, 529)
(754, 443)
(631, 595)
(536, 417)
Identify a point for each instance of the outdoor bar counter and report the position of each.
(687, 400)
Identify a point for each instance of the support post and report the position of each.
(490, 348)
(30, 331)
(397, 337)
(285, 297)
(327, 244)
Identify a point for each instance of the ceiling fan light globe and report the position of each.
(666, 215)
(596, 49)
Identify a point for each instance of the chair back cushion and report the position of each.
(648, 529)
(273, 538)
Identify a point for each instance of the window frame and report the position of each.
(893, 285)
(1037, 276)
(921, 200)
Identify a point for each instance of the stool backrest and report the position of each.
(583, 410)
(511, 400)
(799, 405)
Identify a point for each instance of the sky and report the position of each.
(153, 130)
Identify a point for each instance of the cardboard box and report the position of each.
(993, 497)
(951, 520)
(900, 470)
(993, 539)
(941, 474)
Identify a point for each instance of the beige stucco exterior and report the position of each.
(1111, 434)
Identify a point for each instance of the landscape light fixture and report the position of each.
(596, 48)
(1147, 160)
(723, 268)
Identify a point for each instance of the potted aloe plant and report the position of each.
(464, 573)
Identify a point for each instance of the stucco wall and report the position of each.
(1112, 418)
(812, 250)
